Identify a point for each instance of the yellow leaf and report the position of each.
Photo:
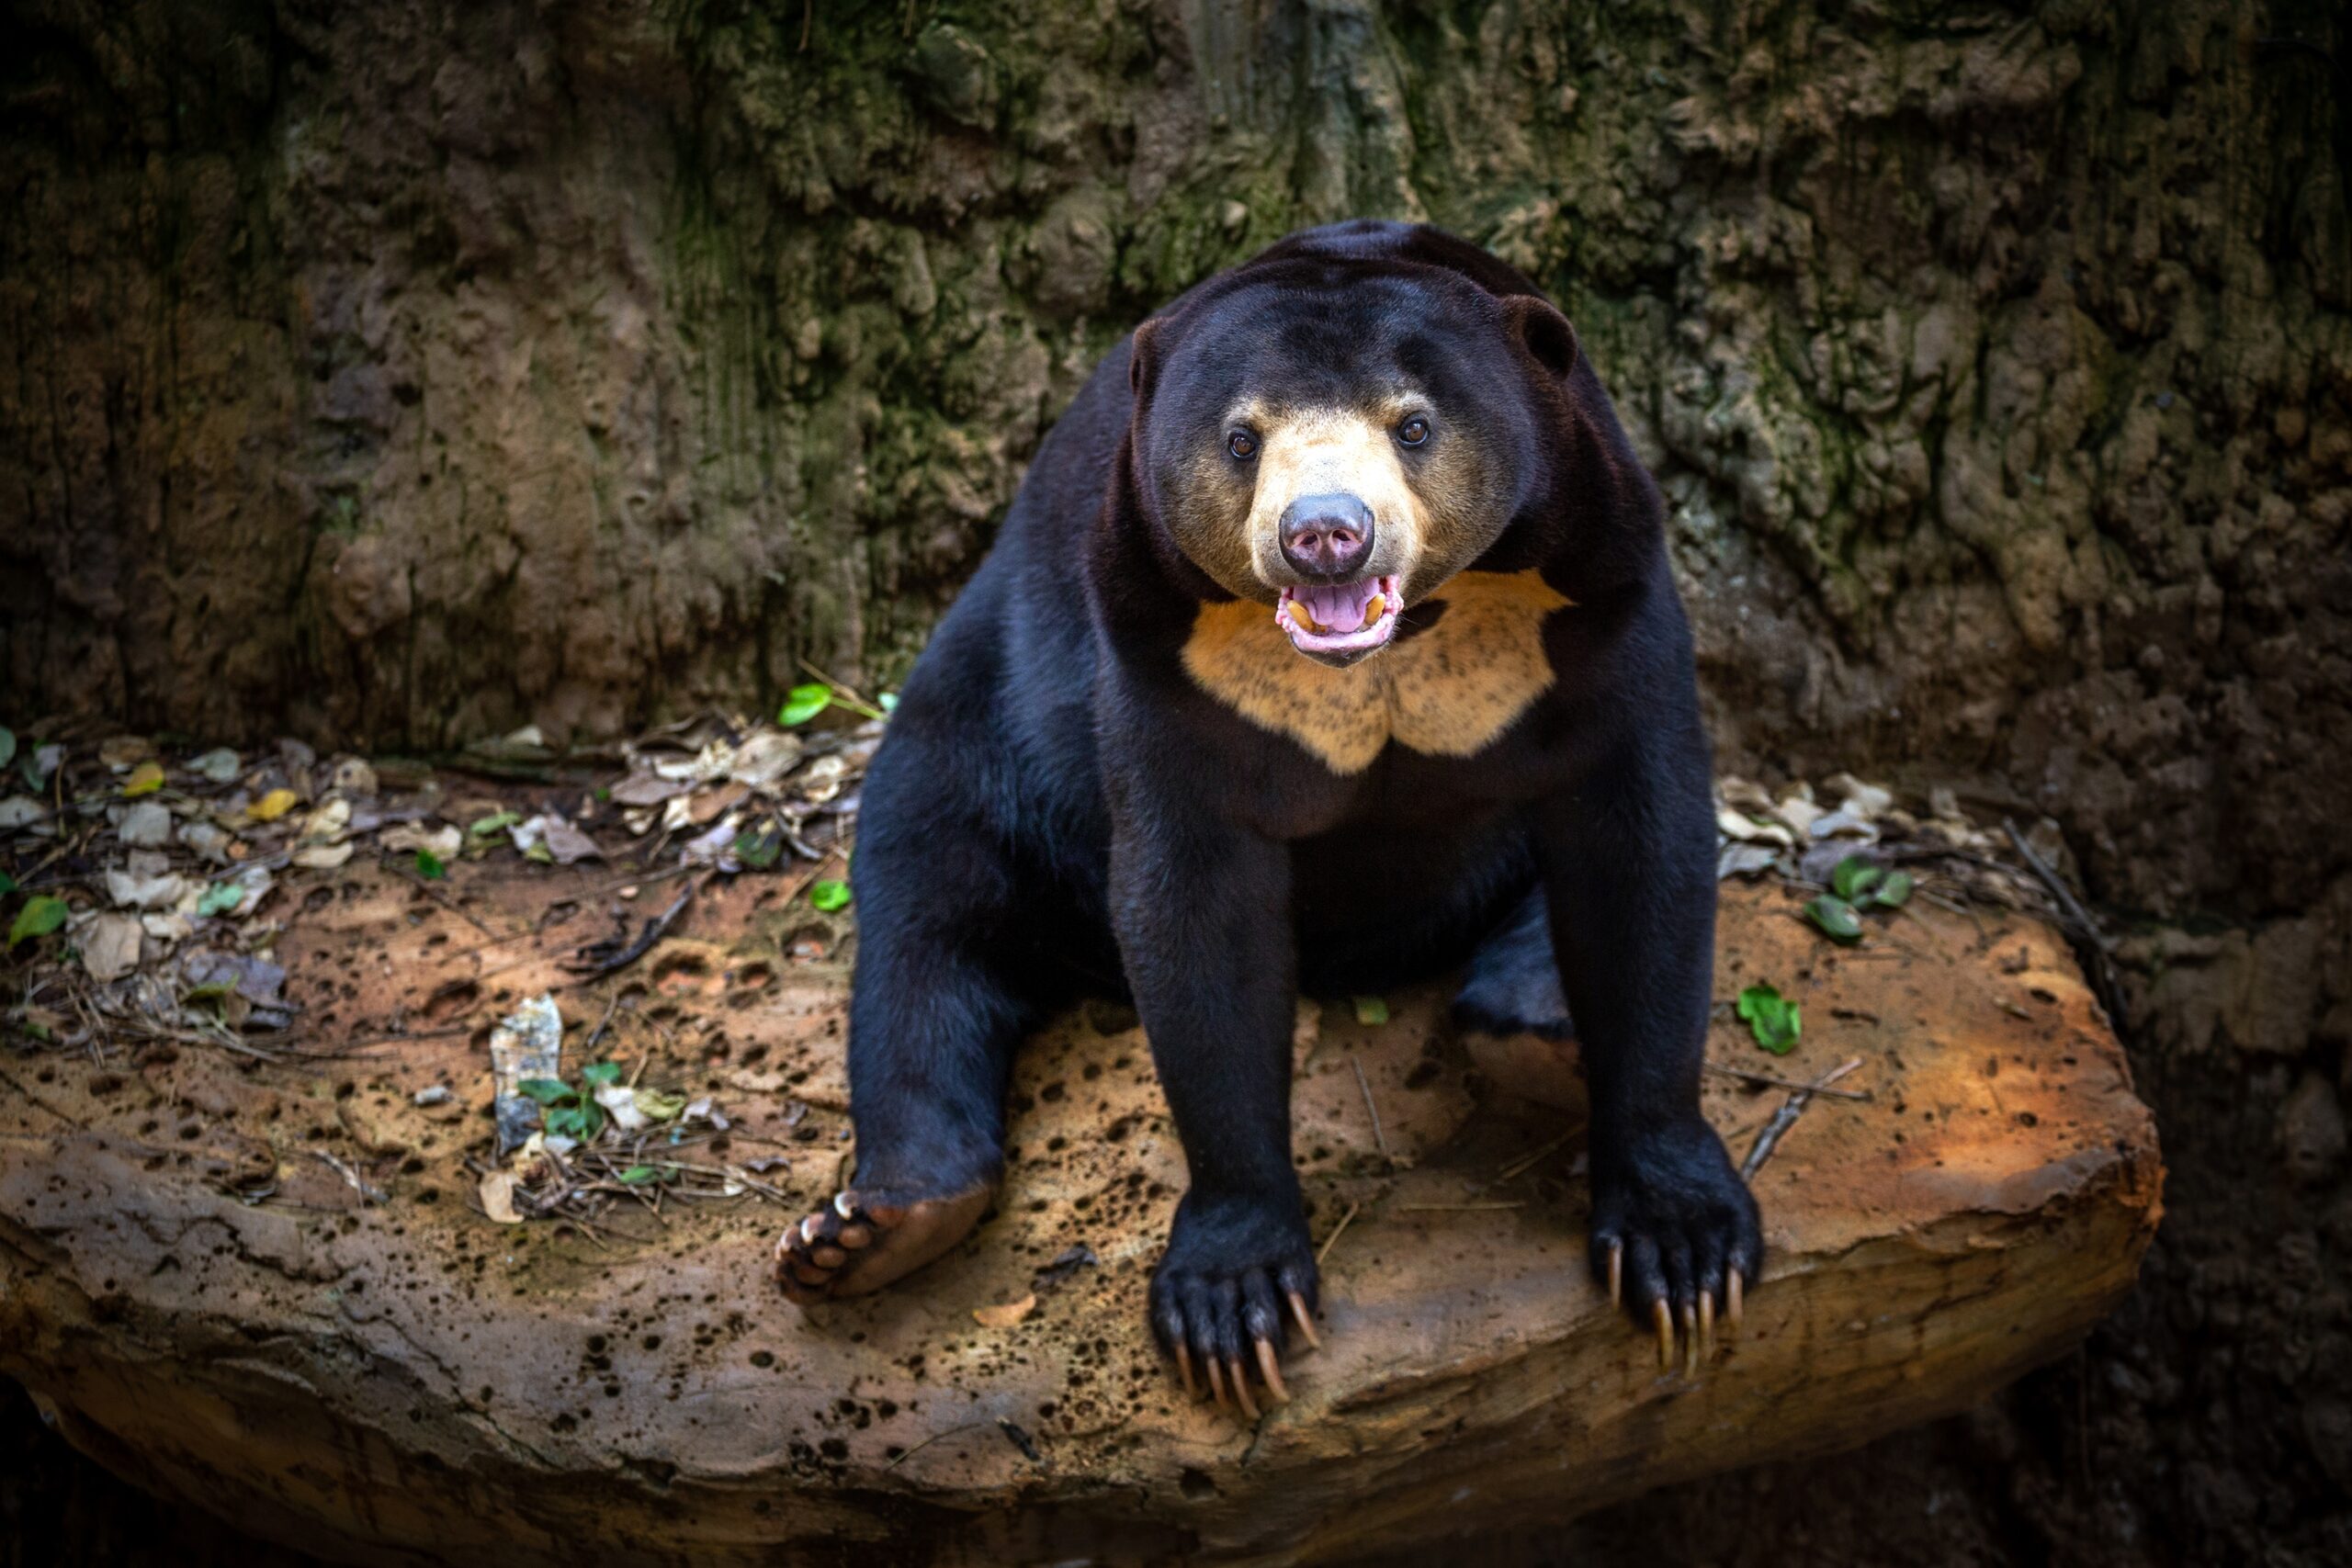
(1008, 1315)
(145, 779)
(273, 805)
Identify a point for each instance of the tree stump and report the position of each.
(388, 1376)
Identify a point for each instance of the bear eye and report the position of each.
(1414, 431)
(1242, 445)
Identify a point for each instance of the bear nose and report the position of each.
(1327, 535)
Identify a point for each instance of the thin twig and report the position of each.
(643, 879)
(1524, 1162)
(1954, 906)
(810, 877)
(394, 1039)
(2058, 889)
(1753, 1076)
(601, 1024)
(1908, 913)
(967, 1427)
(444, 900)
(1324, 1251)
(600, 959)
(368, 1193)
(1378, 1136)
(39, 1103)
(1786, 1117)
(856, 704)
(1453, 1208)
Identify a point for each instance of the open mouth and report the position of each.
(1340, 622)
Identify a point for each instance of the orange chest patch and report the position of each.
(1445, 692)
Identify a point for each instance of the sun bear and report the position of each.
(1330, 643)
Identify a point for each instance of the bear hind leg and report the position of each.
(1512, 986)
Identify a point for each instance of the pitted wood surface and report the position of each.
(407, 1381)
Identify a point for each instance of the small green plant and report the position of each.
(429, 867)
(1372, 1011)
(1771, 1017)
(811, 698)
(1835, 918)
(570, 1111)
(758, 849)
(832, 896)
(804, 703)
(1855, 885)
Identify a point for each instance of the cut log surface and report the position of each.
(396, 1378)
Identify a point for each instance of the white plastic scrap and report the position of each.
(619, 1101)
(527, 1043)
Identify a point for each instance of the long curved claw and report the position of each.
(1306, 1321)
(1690, 1342)
(1242, 1391)
(1217, 1381)
(1270, 1368)
(1665, 1315)
(1707, 1323)
(1185, 1369)
(1617, 1274)
(1731, 1299)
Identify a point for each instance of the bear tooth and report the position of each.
(1374, 611)
(1298, 612)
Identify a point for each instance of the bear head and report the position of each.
(1335, 437)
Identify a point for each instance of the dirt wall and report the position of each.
(399, 374)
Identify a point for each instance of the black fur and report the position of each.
(1058, 807)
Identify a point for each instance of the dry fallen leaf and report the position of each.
(139, 888)
(405, 838)
(145, 779)
(273, 805)
(354, 776)
(218, 765)
(111, 946)
(206, 841)
(647, 789)
(565, 845)
(765, 757)
(146, 825)
(323, 857)
(1006, 1315)
(328, 821)
(497, 1194)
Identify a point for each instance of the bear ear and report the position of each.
(1141, 362)
(1544, 332)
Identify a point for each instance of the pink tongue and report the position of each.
(1338, 606)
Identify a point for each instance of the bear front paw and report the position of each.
(1676, 1236)
(1238, 1275)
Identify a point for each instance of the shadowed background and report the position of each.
(396, 375)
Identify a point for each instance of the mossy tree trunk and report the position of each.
(396, 373)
